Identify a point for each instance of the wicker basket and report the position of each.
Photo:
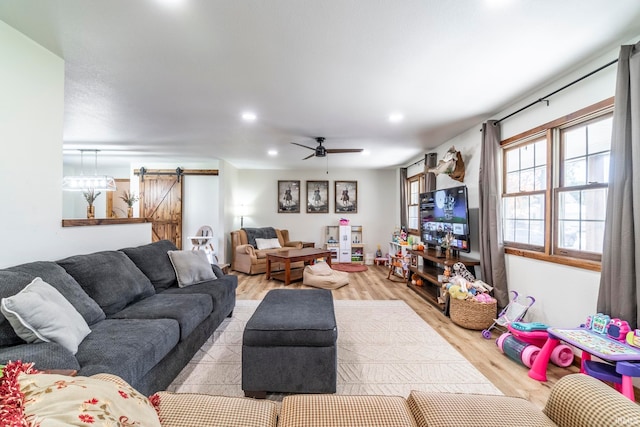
(471, 314)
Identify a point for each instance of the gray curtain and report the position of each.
(619, 296)
(490, 215)
(404, 217)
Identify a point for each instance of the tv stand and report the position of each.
(432, 266)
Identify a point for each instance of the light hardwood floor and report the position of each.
(510, 377)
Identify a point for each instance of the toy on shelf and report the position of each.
(513, 312)
(524, 341)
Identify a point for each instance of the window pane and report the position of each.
(575, 142)
(568, 234)
(537, 233)
(569, 205)
(527, 180)
(513, 162)
(600, 136)
(593, 236)
(541, 152)
(540, 178)
(536, 206)
(522, 232)
(513, 182)
(599, 168)
(527, 156)
(509, 207)
(575, 172)
(509, 231)
(522, 207)
(594, 205)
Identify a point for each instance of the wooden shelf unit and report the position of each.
(433, 266)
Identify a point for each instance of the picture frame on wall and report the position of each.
(288, 196)
(317, 196)
(346, 197)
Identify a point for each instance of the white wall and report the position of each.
(564, 295)
(377, 204)
(31, 119)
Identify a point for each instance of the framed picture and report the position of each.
(346, 197)
(317, 196)
(288, 196)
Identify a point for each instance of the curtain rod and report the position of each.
(544, 98)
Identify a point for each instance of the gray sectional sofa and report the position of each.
(144, 327)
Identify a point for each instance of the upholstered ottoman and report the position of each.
(289, 344)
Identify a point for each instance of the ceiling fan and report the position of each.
(322, 151)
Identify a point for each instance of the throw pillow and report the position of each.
(217, 270)
(39, 313)
(268, 243)
(191, 267)
(53, 400)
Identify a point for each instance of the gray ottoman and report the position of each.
(289, 344)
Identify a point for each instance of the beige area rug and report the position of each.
(384, 348)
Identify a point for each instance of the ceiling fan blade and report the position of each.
(344, 150)
(309, 156)
(310, 148)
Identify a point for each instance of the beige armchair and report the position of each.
(249, 260)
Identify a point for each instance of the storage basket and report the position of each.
(471, 314)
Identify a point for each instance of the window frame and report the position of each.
(420, 178)
(551, 252)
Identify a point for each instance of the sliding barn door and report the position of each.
(161, 200)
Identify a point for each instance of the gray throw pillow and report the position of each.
(39, 313)
(191, 267)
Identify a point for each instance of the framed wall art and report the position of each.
(346, 197)
(317, 196)
(288, 196)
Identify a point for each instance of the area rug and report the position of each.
(349, 268)
(384, 348)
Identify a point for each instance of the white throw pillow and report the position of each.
(268, 243)
(39, 313)
(191, 267)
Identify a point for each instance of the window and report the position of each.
(555, 181)
(413, 210)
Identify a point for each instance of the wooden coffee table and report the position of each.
(294, 255)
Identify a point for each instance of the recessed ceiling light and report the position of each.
(249, 116)
(272, 152)
(366, 152)
(171, 3)
(396, 117)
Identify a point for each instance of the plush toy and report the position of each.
(484, 298)
(456, 292)
(459, 269)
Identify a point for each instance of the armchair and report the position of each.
(248, 259)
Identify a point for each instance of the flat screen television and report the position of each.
(442, 211)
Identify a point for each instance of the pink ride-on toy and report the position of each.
(513, 312)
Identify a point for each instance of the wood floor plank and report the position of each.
(510, 377)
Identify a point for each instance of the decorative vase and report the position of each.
(91, 212)
(130, 212)
(448, 253)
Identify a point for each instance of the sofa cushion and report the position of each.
(40, 313)
(57, 277)
(110, 278)
(11, 282)
(191, 267)
(221, 290)
(435, 409)
(128, 348)
(262, 233)
(44, 355)
(191, 409)
(310, 410)
(153, 260)
(188, 310)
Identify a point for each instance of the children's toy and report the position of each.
(618, 329)
(633, 338)
(513, 312)
(535, 333)
(520, 351)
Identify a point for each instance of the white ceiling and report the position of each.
(154, 82)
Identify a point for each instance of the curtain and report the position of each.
(404, 217)
(618, 295)
(492, 265)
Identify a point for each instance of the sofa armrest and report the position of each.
(581, 400)
(296, 244)
(246, 250)
(191, 409)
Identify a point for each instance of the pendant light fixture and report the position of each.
(84, 182)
